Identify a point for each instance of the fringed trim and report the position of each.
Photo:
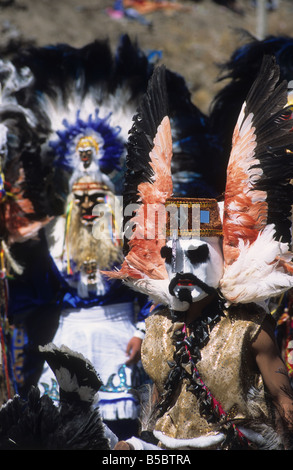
(202, 442)
(120, 408)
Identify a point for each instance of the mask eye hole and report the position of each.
(78, 198)
(199, 255)
(97, 197)
(166, 253)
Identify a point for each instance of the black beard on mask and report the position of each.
(184, 293)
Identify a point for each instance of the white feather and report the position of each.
(11, 261)
(158, 291)
(55, 231)
(256, 275)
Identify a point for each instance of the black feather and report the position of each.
(267, 101)
(131, 68)
(240, 72)
(61, 70)
(152, 109)
(196, 168)
(38, 424)
(76, 376)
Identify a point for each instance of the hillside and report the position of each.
(193, 36)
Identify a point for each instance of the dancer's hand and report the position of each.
(133, 351)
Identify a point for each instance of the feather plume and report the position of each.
(148, 407)
(258, 191)
(36, 423)
(77, 92)
(151, 142)
(158, 291)
(149, 160)
(260, 270)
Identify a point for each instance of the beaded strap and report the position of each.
(187, 354)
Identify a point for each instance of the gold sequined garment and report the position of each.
(226, 368)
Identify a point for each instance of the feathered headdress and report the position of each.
(56, 98)
(148, 189)
(257, 205)
(51, 99)
(59, 100)
(89, 92)
(258, 196)
(80, 95)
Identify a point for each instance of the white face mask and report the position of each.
(194, 267)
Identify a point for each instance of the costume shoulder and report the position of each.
(255, 314)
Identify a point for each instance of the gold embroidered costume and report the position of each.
(226, 367)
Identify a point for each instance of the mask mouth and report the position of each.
(187, 281)
(88, 219)
(87, 216)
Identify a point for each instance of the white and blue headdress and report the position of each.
(98, 134)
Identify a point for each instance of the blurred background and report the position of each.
(190, 37)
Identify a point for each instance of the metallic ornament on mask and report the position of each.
(193, 217)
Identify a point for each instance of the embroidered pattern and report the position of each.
(52, 392)
(117, 382)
